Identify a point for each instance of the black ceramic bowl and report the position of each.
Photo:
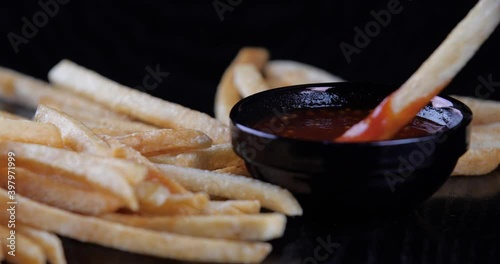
(382, 176)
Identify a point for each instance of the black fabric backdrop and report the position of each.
(188, 39)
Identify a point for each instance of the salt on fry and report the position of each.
(134, 103)
(234, 187)
(79, 166)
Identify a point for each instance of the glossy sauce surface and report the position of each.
(326, 124)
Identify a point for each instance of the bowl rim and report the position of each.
(464, 110)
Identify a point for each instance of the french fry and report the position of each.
(106, 131)
(248, 79)
(75, 105)
(7, 77)
(227, 94)
(234, 187)
(218, 156)
(259, 227)
(76, 135)
(232, 207)
(121, 125)
(26, 250)
(162, 141)
(399, 108)
(50, 243)
(236, 170)
(63, 193)
(280, 73)
(477, 161)
(31, 92)
(88, 118)
(164, 159)
(131, 102)
(30, 132)
(483, 155)
(160, 194)
(123, 151)
(156, 199)
(137, 240)
(8, 115)
(27, 91)
(94, 170)
(484, 111)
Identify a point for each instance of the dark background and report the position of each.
(119, 39)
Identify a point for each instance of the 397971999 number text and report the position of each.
(12, 203)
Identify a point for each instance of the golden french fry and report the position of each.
(259, 227)
(160, 194)
(248, 80)
(76, 135)
(27, 91)
(73, 104)
(234, 187)
(492, 129)
(162, 141)
(227, 94)
(216, 157)
(164, 159)
(7, 77)
(484, 111)
(50, 243)
(94, 170)
(140, 105)
(61, 192)
(89, 119)
(123, 151)
(236, 170)
(26, 251)
(30, 132)
(132, 239)
(106, 131)
(232, 207)
(12, 116)
(31, 92)
(477, 161)
(280, 73)
(121, 125)
(156, 199)
(483, 155)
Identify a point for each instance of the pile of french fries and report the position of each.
(252, 72)
(105, 164)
